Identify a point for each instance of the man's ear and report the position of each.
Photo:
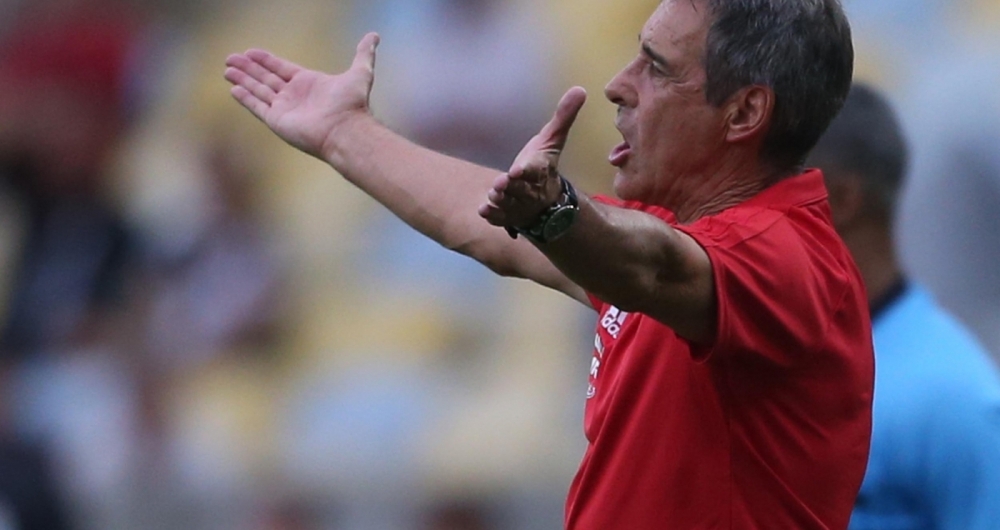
(847, 199)
(750, 110)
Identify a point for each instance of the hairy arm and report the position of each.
(328, 116)
(627, 258)
(438, 196)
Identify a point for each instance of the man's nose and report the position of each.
(619, 90)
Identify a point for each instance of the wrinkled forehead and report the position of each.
(677, 27)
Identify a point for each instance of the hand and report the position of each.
(303, 107)
(532, 184)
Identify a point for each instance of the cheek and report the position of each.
(662, 147)
(663, 129)
(686, 135)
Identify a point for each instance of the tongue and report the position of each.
(619, 155)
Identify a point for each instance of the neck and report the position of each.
(871, 245)
(727, 185)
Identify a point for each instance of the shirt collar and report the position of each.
(804, 188)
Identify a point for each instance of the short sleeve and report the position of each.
(776, 295)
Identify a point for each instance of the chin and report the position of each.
(622, 188)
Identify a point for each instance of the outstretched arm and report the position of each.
(625, 257)
(328, 116)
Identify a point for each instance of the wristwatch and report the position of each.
(554, 221)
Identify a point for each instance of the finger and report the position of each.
(257, 71)
(257, 107)
(364, 57)
(556, 131)
(282, 68)
(495, 197)
(493, 214)
(531, 166)
(520, 189)
(517, 170)
(500, 183)
(242, 79)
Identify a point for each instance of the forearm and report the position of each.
(638, 263)
(435, 194)
(327, 116)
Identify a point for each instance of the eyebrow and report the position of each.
(656, 57)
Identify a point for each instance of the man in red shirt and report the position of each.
(732, 375)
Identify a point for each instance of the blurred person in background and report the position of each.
(733, 387)
(64, 69)
(203, 321)
(449, 98)
(66, 95)
(220, 294)
(935, 457)
(949, 210)
(939, 60)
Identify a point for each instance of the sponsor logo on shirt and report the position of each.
(612, 323)
(613, 320)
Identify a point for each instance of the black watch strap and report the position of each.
(553, 221)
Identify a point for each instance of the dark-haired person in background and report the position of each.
(935, 457)
(731, 380)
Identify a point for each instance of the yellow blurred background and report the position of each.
(206, 329)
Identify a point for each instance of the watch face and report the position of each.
(559, 223)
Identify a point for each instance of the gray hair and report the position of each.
(801, 49)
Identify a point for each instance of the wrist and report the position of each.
(346, 130)
(555, 220)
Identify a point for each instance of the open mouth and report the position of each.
(620, 154)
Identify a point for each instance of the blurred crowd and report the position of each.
(201, 328)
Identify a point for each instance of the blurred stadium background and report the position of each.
(201, 328)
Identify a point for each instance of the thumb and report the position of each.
(556, 131)
(364, 58)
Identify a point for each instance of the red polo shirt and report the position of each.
(769, 427)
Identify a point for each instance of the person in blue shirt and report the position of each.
(935, 455)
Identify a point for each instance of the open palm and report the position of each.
(302, 106)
